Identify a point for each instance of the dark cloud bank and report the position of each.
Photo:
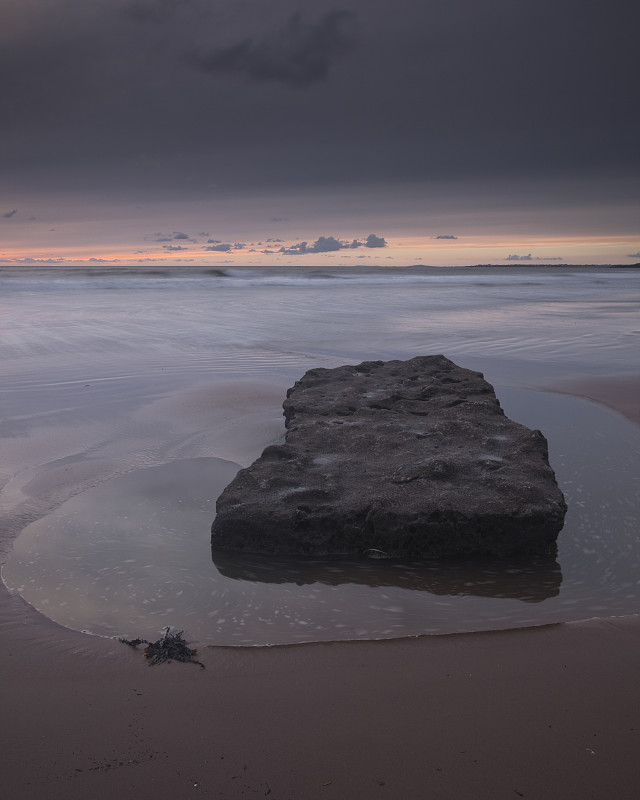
(179, 94)
(298, 54)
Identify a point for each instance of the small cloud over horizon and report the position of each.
(330, 244)
(445, 236)
(219, 247)
(9, 214)
(375, 241)
(531, 257)
(60, 260)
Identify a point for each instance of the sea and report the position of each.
(130, 397)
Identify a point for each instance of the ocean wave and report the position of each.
(173, 278)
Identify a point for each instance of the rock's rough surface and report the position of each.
(411, 458)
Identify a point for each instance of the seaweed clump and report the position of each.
(171, 647)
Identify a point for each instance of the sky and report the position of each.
(207, 132)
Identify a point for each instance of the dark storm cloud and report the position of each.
(105, 92)
(298, 54)
(153, 10)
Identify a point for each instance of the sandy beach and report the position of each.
(549, 712)
(205, 208)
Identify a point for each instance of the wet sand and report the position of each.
(619, 393)
(549, 712)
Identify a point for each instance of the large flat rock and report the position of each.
(411, 458)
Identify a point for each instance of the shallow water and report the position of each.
(132, 555)
(129, 400)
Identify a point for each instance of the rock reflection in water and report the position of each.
(531, 580)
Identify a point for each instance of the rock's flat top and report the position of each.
(412, 458)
